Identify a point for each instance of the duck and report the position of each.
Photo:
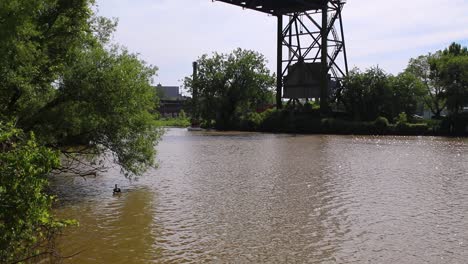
(116, 190)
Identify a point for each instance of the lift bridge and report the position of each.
(311, 59)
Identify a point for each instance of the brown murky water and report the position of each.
(262, 198)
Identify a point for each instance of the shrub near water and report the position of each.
(173, 122)
(26, 226)
(289, 121)
(403, 127)
(338, 126)
(381, 125)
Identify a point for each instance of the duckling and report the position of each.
(116, 190)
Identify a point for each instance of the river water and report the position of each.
(263, 198)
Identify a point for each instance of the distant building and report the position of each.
(171, 102)
(168, 92)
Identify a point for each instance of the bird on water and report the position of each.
(116, 190)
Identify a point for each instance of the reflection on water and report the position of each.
(261, 198)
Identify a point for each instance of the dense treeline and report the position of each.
(65, 90)
(233, 92)
(437, 82)
(368, 95)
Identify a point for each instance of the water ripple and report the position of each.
(261, 198)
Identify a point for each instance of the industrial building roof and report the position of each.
(168, 92)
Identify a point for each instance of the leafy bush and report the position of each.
(173, 122)
(381, 124)
(273, 121)
(412, 129)
(290, 121)
(26, 226)
(182, 114)
(401, 119)
(339, 126)
(251, 121)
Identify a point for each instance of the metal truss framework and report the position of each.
(313, 33)
(302, 37)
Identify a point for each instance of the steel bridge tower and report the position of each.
(311, 50)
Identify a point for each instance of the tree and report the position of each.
(455, 49)
(366, 95)
(425, 69)
(72, 92)
(453, 67)
(103, 102)
(444, 76)
(36, 39)
(26, 225)
(65, 81)
(407, 92)
(231, 85)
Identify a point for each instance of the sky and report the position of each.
(171, 34)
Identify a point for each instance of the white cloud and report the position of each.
(173, 33)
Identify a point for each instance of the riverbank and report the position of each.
(173, 122)
(290, 121)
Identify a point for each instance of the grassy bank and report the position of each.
(173, 122)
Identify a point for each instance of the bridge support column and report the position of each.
(279, 63)
(324, 60)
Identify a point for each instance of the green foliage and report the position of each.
(425, 70)
(453, 67)
(339, 126)
(364, 94)
(411, 129)
(288, 121)
(25, 222)
(182, 114)
(445, 77)
(381, 124)
(37, 38)
(272, 120)
(231, 86)
(401, 119)
(173, 122)
(455, 49)
(367, 95)
(311, 105)
(63, 80)
(104, 101)
(407, 93)
(251, 121)
(405, 128)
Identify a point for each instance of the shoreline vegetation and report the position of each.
(290, 122)
(64, 82)
(233, 90)
(173, 122)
